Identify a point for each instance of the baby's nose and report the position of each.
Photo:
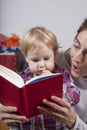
(42, 65)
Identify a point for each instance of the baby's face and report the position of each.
(40, 60)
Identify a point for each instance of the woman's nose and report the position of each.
(78, 58)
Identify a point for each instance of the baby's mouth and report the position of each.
(39, 72)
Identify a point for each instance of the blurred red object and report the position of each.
(3, 39)
(9, 60)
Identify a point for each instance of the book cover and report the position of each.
(27, 97)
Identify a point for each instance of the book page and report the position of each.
(9, 53)
(38, 78)
(11, 76)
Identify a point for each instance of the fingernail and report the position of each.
(44, 100)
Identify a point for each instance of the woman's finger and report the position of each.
(61, 106)
(12, 118)
(60, 101)
(8, 109)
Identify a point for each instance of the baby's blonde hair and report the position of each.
(36, 37)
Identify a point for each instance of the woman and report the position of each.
(75, 61)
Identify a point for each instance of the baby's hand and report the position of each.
(9, 116)
(45, 72)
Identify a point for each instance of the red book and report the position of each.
(9, 60)
(26, 97)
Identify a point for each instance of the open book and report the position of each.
(26, 97)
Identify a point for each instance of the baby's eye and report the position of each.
(35, 60)
(47, 58)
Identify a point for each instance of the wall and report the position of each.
(63, 17)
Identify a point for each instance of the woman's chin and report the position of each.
(74, 74)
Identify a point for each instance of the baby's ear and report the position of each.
(55, 57)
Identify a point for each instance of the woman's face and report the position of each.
(78, 55)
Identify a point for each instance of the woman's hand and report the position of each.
(60, 110)
(9, 116)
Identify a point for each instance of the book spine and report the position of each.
(24, 103)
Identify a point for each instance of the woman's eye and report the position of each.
(86, 55)
(76, 46)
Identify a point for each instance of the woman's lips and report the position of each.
(75, 69)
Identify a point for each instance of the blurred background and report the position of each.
(63, 17)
